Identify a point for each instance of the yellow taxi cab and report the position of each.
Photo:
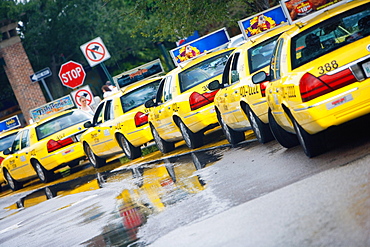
(183, 107)
(6, 140)
(45, 146)
(120, 123)
(240, 104)
(319, 76)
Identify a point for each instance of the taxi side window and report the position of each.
(167, 94)
(159, 95)
(108, 114)
(98, 116)
(25, 139)
(16, 146)
(234, 70)
(226, 75)
(275, 61)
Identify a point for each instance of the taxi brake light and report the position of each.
(140, 119)
(1, 159)
(263, 86)
(53, 145)
(198, 100)
(340, 79)
(312, 87)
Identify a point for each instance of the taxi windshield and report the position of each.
(139, 96)
(60, 123)
(330, 35)
(203, 71)
(7, 141)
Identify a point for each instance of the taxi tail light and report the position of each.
(1, 160)
(263, 86)
(198, 100)
(53, 145)
(140, 119)
(312, 87)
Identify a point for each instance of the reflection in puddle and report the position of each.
(145, 190)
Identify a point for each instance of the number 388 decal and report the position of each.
(328, 67)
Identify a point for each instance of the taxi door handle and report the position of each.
(225, 95)
(236, 92)
(98, 130)
(169, 107)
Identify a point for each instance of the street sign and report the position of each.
(40, 75)
(95, 51)
(83, 91)
(10, 123)
(72, 74)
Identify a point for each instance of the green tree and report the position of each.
(171, 20)
(52, 31)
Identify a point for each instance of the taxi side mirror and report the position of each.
(7, 151)
(150, 103)
(260, 77)
(213, 85)
(88, 124)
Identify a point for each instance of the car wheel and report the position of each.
(232, 136)
(95, 160)
(260, 129)
(312, 145)
(192, 140)
(50, 193)
(285, 138)
(131, 152)
(13, 184)
(44, 175)
(162, 145)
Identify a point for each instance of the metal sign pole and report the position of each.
(110, 78)
(47, 89)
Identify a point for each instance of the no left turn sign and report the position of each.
(95, 51)
(84, 91)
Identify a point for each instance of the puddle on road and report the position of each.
(147, 189)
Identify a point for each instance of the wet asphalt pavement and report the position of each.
(249, 195)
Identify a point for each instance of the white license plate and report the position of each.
(366, 67)
(339, 102)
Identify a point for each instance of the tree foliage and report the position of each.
(53, 31)
(175, 19)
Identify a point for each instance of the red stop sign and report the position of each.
(72, 74)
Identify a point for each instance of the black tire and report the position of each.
(312, 145)
(163, 146)
(44, 175)
(13, 184)
(50, 193)
(95, 160)
(261, 130)
(130, 151)
(192, 140)
(286, 139)
(232, 136)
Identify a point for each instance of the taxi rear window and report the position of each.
(203, 71)
(330, 35)
(139, 96)
(60, 123)
(7, 141)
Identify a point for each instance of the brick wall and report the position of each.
(19, 70)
